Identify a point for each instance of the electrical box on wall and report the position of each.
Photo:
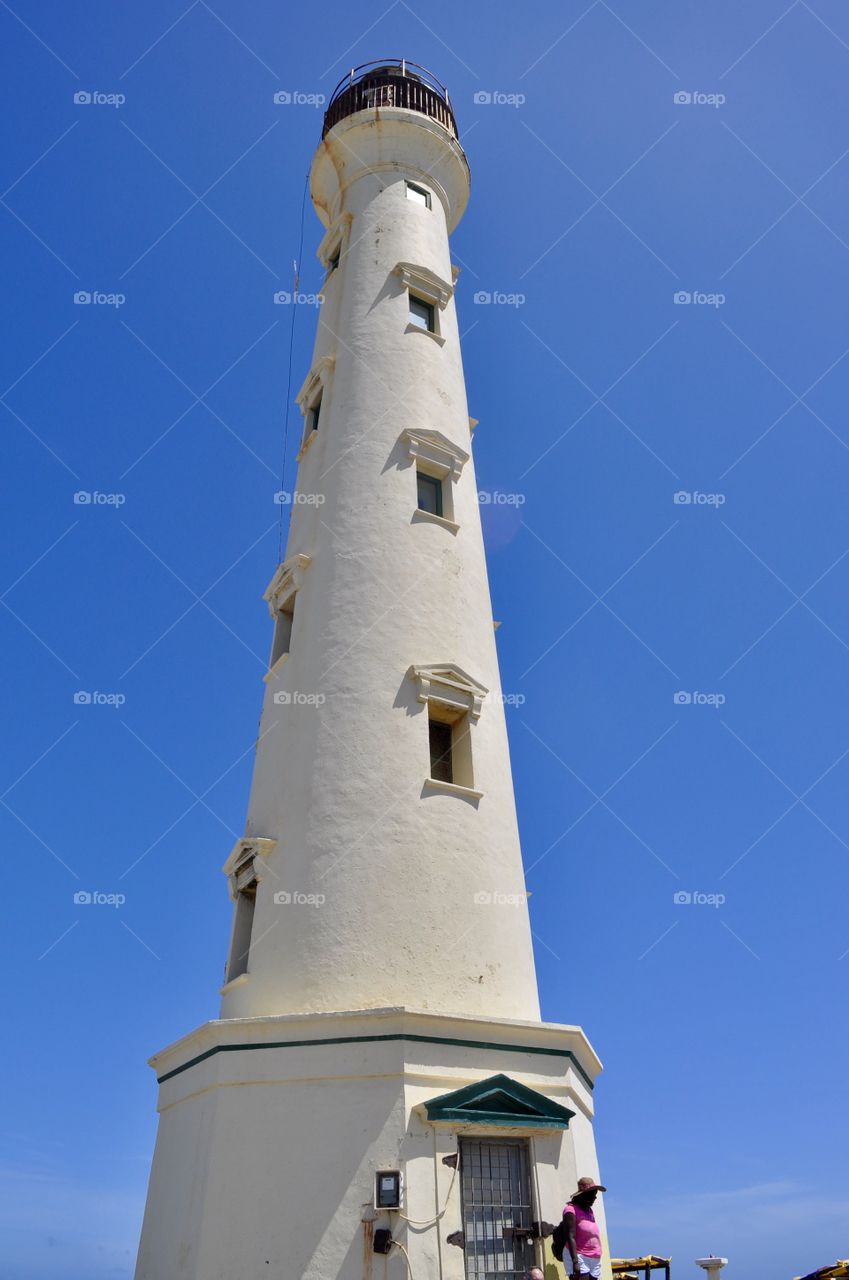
(388, 1189)
(383, 1240)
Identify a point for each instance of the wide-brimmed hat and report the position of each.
(587, 1184)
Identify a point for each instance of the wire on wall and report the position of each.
(431, 1222)
(296, 280)
(396, 1244)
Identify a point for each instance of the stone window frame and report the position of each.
(435, 455)
(421, 282)
(335, 240)
(314, 389)
(286, 583)
(420, 190)
(245, 867)
(448, 689)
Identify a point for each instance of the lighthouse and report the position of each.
(379, 1097)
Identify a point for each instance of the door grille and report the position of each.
(496, 1191)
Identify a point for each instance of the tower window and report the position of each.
(429, 493)
(450, 746)
(438, 464)
(280, 596)
(313, 414)
(243, 923)
(283, 629)
(418, 194)
(454, 701)
(441, 750)
(310, 399)
(422, 314)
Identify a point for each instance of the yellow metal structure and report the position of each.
(837, 1271)
(628, 1268)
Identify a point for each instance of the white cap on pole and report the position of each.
(712, 1266)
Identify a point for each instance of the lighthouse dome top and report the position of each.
(390, 82)
(386, 121)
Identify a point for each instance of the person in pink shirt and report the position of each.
(583, 1238)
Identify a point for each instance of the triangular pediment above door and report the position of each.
(499, 1100)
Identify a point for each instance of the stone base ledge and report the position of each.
(371, 1042)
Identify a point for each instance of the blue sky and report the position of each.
(597, 198)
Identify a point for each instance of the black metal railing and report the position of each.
(390, 83)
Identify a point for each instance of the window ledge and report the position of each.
(305, 444)
(275, 670)
(415, 328)
(452, 789)
(233, 983)
(430, 517)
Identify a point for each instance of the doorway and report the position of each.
(497, 1212)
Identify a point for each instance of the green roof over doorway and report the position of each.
(499, 1100)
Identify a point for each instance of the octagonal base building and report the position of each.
(379, 1097)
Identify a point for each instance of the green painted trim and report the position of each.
(301, 1044)
(459, 1115)
(536, 1110)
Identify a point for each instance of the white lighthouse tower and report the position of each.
(379, 1083)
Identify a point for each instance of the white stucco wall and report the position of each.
(340, 785)
(274, 1120)
(267, 1151)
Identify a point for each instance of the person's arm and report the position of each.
(569, 1221)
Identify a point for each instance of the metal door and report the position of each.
(496, 1192)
